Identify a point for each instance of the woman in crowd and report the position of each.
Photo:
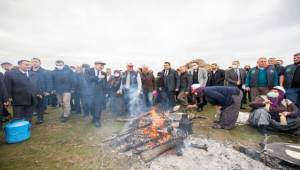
(274, 112)
(116, 105)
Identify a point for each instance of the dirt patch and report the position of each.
(220, 156)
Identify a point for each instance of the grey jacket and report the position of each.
(231, 76)
(202, 76)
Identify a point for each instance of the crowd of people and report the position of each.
(271, 90)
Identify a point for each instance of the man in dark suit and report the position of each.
(6, 66)
(3, 97)
(23, 89)
(236, 77)
(45, 85)
(216, 76)
(171, 84)
(98, 82)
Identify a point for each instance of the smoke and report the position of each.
(134, 102)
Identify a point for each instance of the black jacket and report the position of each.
(220, 95)
(22, 89)
(63, 80)
(171, 81)
(3, 92)
(216, 79)
(185, 82)
(114, 85)
(97, 85)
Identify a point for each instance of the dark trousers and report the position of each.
(75, 102)
(97, 107)
(246, 97)
(52, 100)
(5, 112)
(169, 99)
(87, 101)
(293, 94)
(201, 102)
(40, 108)
(23, 112)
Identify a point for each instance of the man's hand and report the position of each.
(39, 96)
(247, 88)
(119, 92)
(101, 76)
(238, 83)
(6, 103)
(267, 102)
(176, 89)
(286, 113)
(139, 92)
(186, 93)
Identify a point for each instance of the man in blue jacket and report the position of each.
(292, 80)
(261, 78)
(63, 85)
(45, 84)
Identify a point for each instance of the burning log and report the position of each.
(151, 134)
(149, 155)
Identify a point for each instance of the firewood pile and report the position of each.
(151, 134)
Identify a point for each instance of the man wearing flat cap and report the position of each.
(97, 79)
(131, 88)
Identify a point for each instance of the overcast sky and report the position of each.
(148, 32)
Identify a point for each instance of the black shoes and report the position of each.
(39, 122)
(199, 109)
(64, 119)
(97, 124)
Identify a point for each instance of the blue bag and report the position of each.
(17, 131)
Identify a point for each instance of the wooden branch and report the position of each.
(151, 154)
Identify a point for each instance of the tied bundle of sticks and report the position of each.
(148, 135)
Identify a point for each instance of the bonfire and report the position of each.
(152, 134)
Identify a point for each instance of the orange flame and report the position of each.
(158, 122)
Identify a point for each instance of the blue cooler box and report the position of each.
(17, 131)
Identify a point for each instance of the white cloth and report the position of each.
(127, 83)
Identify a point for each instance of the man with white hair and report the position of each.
(131, 88)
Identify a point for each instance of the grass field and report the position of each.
(76, 144)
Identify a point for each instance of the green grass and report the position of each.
(76, 144)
